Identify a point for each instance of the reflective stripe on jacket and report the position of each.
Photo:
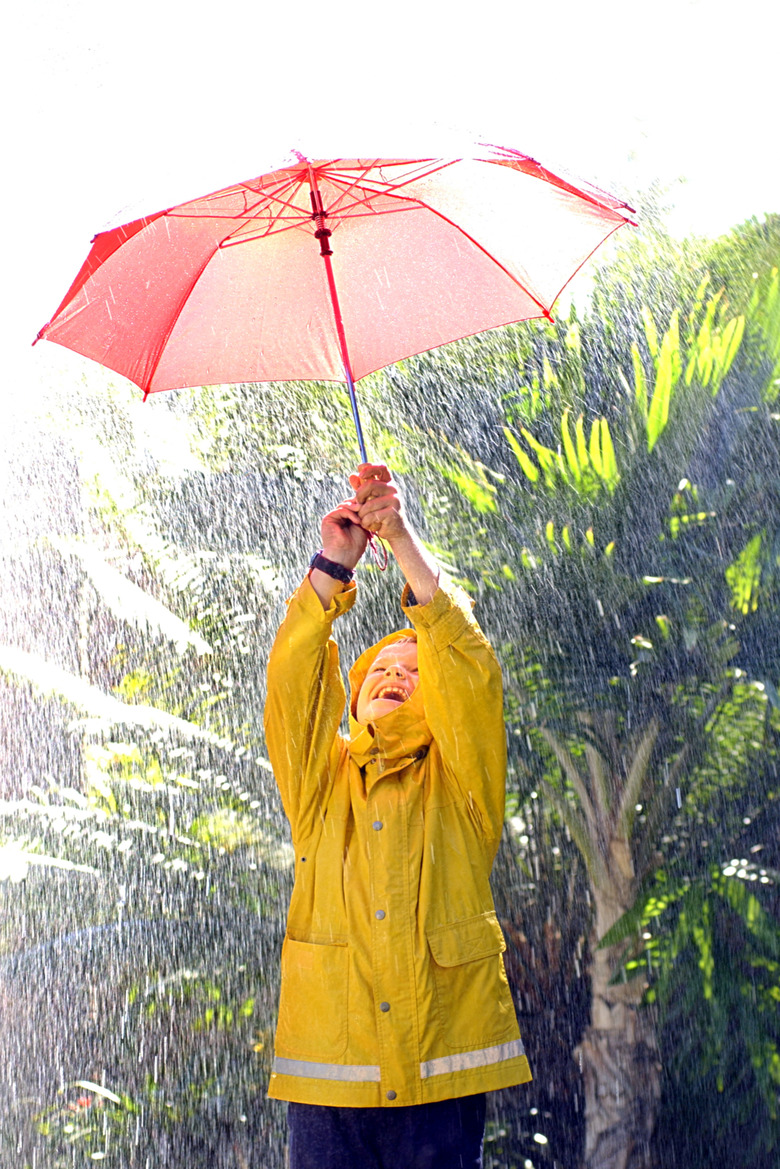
(393, 983)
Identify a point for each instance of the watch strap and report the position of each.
(331, 568)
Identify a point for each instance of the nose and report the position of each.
(396, 671)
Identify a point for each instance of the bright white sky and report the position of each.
(111, 108)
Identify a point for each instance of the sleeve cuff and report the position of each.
(445, 615)
(307, 599)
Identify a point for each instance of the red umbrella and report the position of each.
(415, 253)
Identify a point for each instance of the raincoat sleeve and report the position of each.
(464, 705)
(304, 703)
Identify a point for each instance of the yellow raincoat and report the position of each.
(393, 983)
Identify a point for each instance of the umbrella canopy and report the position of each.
(229, 287)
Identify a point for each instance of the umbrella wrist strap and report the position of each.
(379, 553)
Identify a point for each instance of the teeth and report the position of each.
(392, 692)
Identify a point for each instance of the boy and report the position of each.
(395, 1014)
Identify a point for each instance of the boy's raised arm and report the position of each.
(344, 541)
(306, 696)
(304, 702)
(464, 707)
(460, 675)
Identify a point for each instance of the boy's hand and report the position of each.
(380, 510)
(379, 505)
(344, 539)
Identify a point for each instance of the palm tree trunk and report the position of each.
(619, 1051)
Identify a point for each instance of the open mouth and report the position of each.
(392, 693)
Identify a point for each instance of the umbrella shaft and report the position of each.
(345, 356)
(323, 235)
(356, 416)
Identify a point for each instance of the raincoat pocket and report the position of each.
(313, 1000)
(474, 1002)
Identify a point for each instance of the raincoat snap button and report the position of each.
(384, 1007)
(377, 825)
(391, 1095)
(380, 915)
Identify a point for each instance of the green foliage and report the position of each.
(595, 510)
(744, 576)
(87, 1124)
(711, 952)
(243, 427)
(587, 465)
(740, 260)
(476, 488)
(157, 831)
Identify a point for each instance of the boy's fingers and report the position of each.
(377, 513)
(382, 522)
(368, 471)
(379, 502)
(345, 513)
(374, 489)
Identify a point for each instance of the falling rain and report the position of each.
(607, 487)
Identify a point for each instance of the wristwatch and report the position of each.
(331, 568)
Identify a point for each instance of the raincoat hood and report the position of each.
(397, 735)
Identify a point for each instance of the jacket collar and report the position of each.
(391, 741)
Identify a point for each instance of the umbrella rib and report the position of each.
(545, 311)
(388, 189)
(337, 207)
(427, 166)
(590, 196)
(592, 252)
(299, 219)
(334, 177)
(275, 197)
(530, 166)
(411, 205)
(264, 197)
(424, 173)
(233, 240)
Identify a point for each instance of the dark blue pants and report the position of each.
(445, 1135)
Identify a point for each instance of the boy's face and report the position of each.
(393, 677)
